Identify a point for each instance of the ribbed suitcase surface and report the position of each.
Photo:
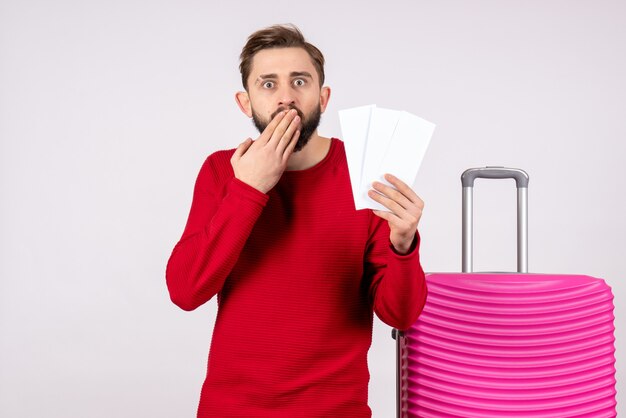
(510, 345)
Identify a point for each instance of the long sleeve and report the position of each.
(223, 212)
(398, 284)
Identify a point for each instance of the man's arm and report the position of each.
(214, 236)
(218, 228)
(398, 284)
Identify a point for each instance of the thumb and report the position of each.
(242, 148)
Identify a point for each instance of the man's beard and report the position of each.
(307, 125)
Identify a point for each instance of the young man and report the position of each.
(297, 271)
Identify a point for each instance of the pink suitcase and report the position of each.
(508, 345)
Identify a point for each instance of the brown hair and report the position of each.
(277, 36)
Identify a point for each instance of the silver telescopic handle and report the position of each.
(521, 181)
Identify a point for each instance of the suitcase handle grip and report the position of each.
(521, 180)
(469, 175)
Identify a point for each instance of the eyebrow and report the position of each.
(291, 74)
(301, 74)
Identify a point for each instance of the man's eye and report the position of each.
(299, 82)
(268, 84)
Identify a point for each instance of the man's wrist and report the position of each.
(404, 248)
(252, 184)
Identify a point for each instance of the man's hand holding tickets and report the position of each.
(405, 210)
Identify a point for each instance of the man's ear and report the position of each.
(243, 101)
(324, 98)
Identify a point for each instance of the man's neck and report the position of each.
(313, 152)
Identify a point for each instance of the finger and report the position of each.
(291, 146)
(241, 149)
(287, 137)
(282, 127)
(394, 221)
(393, 194)
(390, 204)
(267, 133)
(402, 188)
(400, 218)
(383, 214)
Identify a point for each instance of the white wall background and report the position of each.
(108, 109)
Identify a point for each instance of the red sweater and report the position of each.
(297, 273)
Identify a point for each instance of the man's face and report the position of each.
(284, 78)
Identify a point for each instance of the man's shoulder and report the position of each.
(217, 166)
(221, 155)
(340, 149)
(219, 158)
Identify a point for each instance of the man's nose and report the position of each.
(286, 96)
